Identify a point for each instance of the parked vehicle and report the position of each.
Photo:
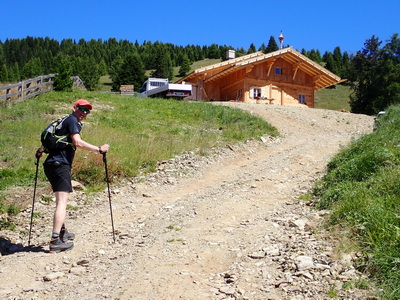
(160, 87)
(376, 120)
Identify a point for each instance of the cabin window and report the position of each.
(278, 71)
(302, 99)
(256, 93)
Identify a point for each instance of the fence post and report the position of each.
(21, 91)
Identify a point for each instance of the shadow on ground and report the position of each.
(7, 247)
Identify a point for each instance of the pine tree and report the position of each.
(3, 73)
(252, 49)
(272, 45)
(2, 56)
(199, 54)
(315, 55)
(163, 64)
(345, 66)
(90, 73)
(376, 74)
(213, 51)
(337, 57)
(63, 81)
(185, 66)
(102, 68)
(14, 73)
(131, 72)
(32, 68)
(330, 62)
(115, 68)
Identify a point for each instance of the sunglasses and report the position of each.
(84, 109)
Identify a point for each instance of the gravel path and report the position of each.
(229, 225)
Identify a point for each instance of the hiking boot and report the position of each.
(57, 245)
(65, 235)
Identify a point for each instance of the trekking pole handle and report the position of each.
(106, 167)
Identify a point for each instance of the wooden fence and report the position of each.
(17, 92)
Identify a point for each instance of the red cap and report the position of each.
(83, 102)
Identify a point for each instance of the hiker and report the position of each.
(57, 168)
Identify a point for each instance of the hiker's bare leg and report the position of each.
(61, 210)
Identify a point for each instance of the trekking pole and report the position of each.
(33, 200)
(109, 194)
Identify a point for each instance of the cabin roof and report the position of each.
(322, 77)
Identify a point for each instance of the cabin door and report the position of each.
(276, 94)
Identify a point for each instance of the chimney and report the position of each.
(230, 54)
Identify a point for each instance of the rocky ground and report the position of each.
(229, 225)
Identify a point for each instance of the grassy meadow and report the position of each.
(335, 98)
(140, 131)
(362, 190)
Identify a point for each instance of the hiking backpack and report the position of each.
(51, 138)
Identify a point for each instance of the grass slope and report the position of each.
(141, 132)
(336, 98)
(362, 189)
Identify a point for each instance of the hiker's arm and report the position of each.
(79, 143)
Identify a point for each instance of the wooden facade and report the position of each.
(284, 77)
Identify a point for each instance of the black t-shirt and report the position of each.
(66, 156)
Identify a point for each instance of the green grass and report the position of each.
(333, 98)
(196, 65)
(105, 84)
(362, 189)
(204, 63)
(140, 131)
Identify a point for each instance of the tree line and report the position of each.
(29, 57)
(126, 63)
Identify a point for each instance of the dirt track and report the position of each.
(233, 227)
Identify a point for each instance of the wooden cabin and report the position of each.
(283, 77)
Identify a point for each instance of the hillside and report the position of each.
(230, 225)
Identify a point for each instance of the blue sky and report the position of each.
(307, 24)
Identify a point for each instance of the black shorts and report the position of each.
(59, 176)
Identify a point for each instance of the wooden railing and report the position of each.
(17, 92)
